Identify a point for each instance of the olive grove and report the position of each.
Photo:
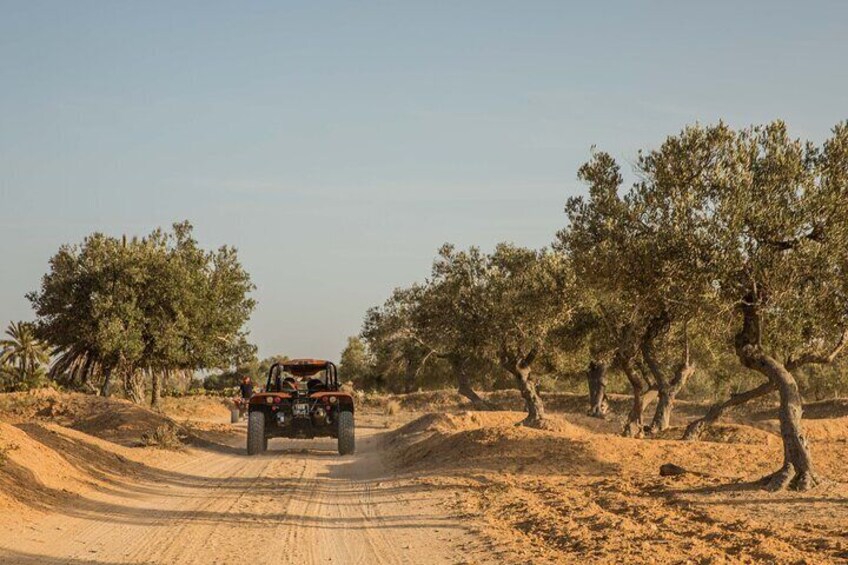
(729, 243)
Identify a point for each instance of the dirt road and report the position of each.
(302, 505)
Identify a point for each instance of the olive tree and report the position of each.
(638, 250)
(594, 331)
(143, 307)
(449, 317)
(602, 242)
(769, 231)
(525, 298)
(356, 364)
(87, 308)
(778, 212)
(398, 353)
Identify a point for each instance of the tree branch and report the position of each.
(657, 326)
(530, 357)
(813, 358)
(815, 234)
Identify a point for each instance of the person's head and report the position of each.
(246, 380)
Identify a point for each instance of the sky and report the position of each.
(337, 145)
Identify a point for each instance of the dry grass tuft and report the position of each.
(4, 451)
(393, 408)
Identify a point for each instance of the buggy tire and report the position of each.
(256, 441)
(347, 438)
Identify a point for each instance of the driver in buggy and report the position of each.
(289, 382)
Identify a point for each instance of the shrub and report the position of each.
(166, 436)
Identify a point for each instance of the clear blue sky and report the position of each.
(337, 145)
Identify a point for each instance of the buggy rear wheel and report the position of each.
(347, 438)
(256, 440)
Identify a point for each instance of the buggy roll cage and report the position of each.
(304, 368)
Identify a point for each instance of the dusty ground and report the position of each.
(99, 503)
(577, 496)
(446, 487)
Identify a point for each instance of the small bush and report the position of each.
(392, 408)
(5, 450)
(166, 436)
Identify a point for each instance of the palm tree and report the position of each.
(23, 352)
(76, 366)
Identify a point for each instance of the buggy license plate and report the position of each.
(300, 409)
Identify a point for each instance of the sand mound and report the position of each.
(821, 409)
(444, 422)
(491, 440)
(725, 433)
(827, 429)
(836, 408)
(463, 421)
(422, 401)
(201, 408)
(112, 419)
(816, 430)
(43, 465)
(502, 448)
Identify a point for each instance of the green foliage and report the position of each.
(254, 368)
(157, 304)
(23, 358)
(649, 274)
(759, 219)
(356, 365)
(527, 295)
(473, 307)
(397, 353)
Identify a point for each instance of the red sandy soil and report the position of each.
(577, 496)
(447, 487)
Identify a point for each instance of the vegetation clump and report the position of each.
(142, 311)
(166, 436)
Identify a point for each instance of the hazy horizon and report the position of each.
(339, 145)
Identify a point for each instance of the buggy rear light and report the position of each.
(333, 400)
(277, 399)
(269, 399)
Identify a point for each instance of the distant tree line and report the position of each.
(731, 246)
(254, 368)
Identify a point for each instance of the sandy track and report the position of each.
(301, 505)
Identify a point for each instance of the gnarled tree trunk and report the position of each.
(464, 388)
(643, 390)
(156, 389)
(797, 470)
(643, 394)
(667, 394)
(409, 374)
(596, 374)
(134, 385)
(519, 367)
(667, 388)
(106, 387)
